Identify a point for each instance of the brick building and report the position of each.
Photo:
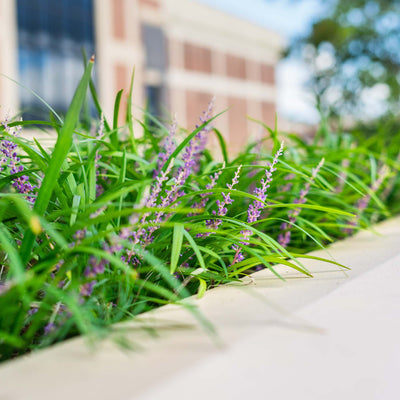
(183, 51)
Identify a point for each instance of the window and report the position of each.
(51, 35)
(154, 100)
(156, 56)
(154, 44)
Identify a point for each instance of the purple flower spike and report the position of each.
(342, 176)
(50, 327)
(142, 236)
(98, 267)
(155, 191)
(145, 236)
(254, 210)
(362, 204)
(87, 289)
(95, 267)
(33, 310)
(222, 210)
(201, 138)
(285, 237)
(205, 196)
(235, 179)
(174, 192)
(169, 147)
(10, 159)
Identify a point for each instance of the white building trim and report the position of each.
(8, 58)
(202, 24)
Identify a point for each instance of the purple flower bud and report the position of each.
(99, 267)
(80, 234)
(33, 310)
(88, 272)
(87, 288)
(50, 327)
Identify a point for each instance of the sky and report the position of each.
(290, 18)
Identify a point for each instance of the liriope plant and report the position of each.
(110, 224)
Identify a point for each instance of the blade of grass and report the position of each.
(36, 95)
(114, 134)
(222, 145)
(176, 246)
(95, 97)
(129, 115)
(121, 180)
(17, 270)
(195, 249)
(63, 144)
(202, 288)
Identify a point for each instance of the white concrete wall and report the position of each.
(8, 59)
(203, 24)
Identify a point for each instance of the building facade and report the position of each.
(184, 53)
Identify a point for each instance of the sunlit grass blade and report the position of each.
(222, 145)
(195, 248)
(17, 269)
(114, 134)
(63, 144)
(176, 246)
(129, 114)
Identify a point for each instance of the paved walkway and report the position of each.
(332, 337)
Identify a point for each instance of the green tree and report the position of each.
(354, 53)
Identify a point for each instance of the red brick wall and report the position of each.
(174, 48)
(121, 77)
(219, 63)
(196, 103)
(268, 74)
(268, 113)
(237, 123)
(252, 70)
(121, 81)
(236, 67)
(197, 58)
(118, 25)
(234, 123)
(150, 3)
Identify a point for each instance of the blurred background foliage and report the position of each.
(353, 52)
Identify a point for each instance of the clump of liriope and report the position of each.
(123, 223)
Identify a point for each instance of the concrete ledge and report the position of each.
(330, 337)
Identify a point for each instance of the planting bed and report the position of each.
(109, 225)
(328, 337)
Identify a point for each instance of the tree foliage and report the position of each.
(354, 54)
